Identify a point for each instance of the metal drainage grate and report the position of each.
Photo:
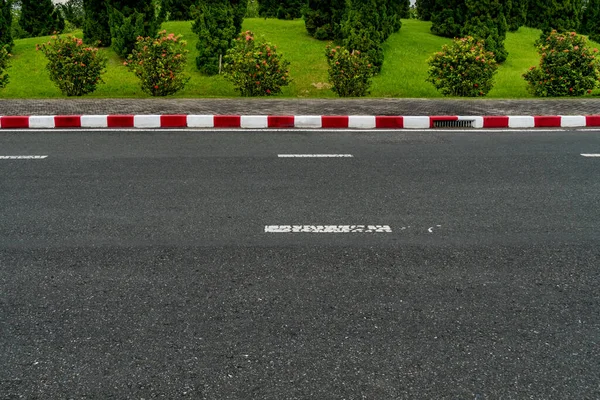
(465, 123)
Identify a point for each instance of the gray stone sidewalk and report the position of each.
(588, 106)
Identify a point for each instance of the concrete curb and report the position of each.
(296, 121)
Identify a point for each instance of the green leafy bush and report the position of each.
(125, 29)
(350, 73)
(159, 63)
(74, 68)
(567, 67)
(464, 68)
(4, 64)
(255, 68)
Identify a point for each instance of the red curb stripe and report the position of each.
(14, 122)
(592, 120)
(334, 121)
(227, 121)
(173, 121)
(435, 118)
(281, 121)
(389, 122)
(547, 121)
(67, 121)
(495, 122)
(120, 121)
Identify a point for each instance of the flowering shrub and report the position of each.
(4, 56)
(464, 68)
(74, 68)
(255, 68)
(159, 63)
(349, 72)
(567, 67)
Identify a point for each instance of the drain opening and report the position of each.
(465, 123)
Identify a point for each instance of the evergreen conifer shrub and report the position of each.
(40, 18)
(4, 64)
(567, 67)
(96, 28)
(6, 38)
(323, 18)
(215, 28)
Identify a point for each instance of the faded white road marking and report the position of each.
(314, 155)
(591, 155)
(22, 157)
(430, 230)
(328, 229)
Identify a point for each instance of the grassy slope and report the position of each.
(403, 74)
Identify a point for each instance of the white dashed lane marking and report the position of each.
(591, 155)
(22, 157)
(328, 229)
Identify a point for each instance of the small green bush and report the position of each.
(255, 68)
(350, 73)
(74, 68)
(4, 64)
(567, 67)
(159, 63)
(215, 27)
(464, 68)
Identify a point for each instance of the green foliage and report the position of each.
(40, 18)
(425, 9)
(284, 9)
(448, 18)
(215, 29)
(255, 68)
(178, 10)
(252, 11)
(4, 64)
(159, 63)
(567, 67)
(350, 72)
(364, 30)
(96, 27)
(129, 22)
(74, 68)
(590, 23)
(6, 38)
(239, 12)
(485, 20)
(516, 13)
(323, 18)
(72, 12)
(559, 15)
(465, 68)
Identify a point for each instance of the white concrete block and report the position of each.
(521, 121)
(308, 121)
(94, 121)
(254, 121)
(200, 121)
(41, 121)
(146, 121)
(572, 121)
(361, 121)
(412, 122)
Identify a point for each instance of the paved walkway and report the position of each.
(587, 106)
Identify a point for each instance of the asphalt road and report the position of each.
(137, 265)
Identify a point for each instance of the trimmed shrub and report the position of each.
(590, 23)
(560, 15)
(128, 23)
(323, 18)
(239, 12)
(464, 68)
(255, 68)
(486, 20)
(285, 9)
(159, 63)
(215, 27)
(4, 64)
(567, 67)
(350, 73)
(448, 17)
(74, 68)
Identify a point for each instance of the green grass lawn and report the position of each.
(403, 73)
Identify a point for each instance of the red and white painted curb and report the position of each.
(294, 121)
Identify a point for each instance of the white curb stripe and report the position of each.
(308, 121)
(41, 121)
(200, 121)
(413, 122)
(361, 121)
(572, 121)
(146, 121)
(254, 121)
(94, 121)
(328, 229)
(521, 121)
